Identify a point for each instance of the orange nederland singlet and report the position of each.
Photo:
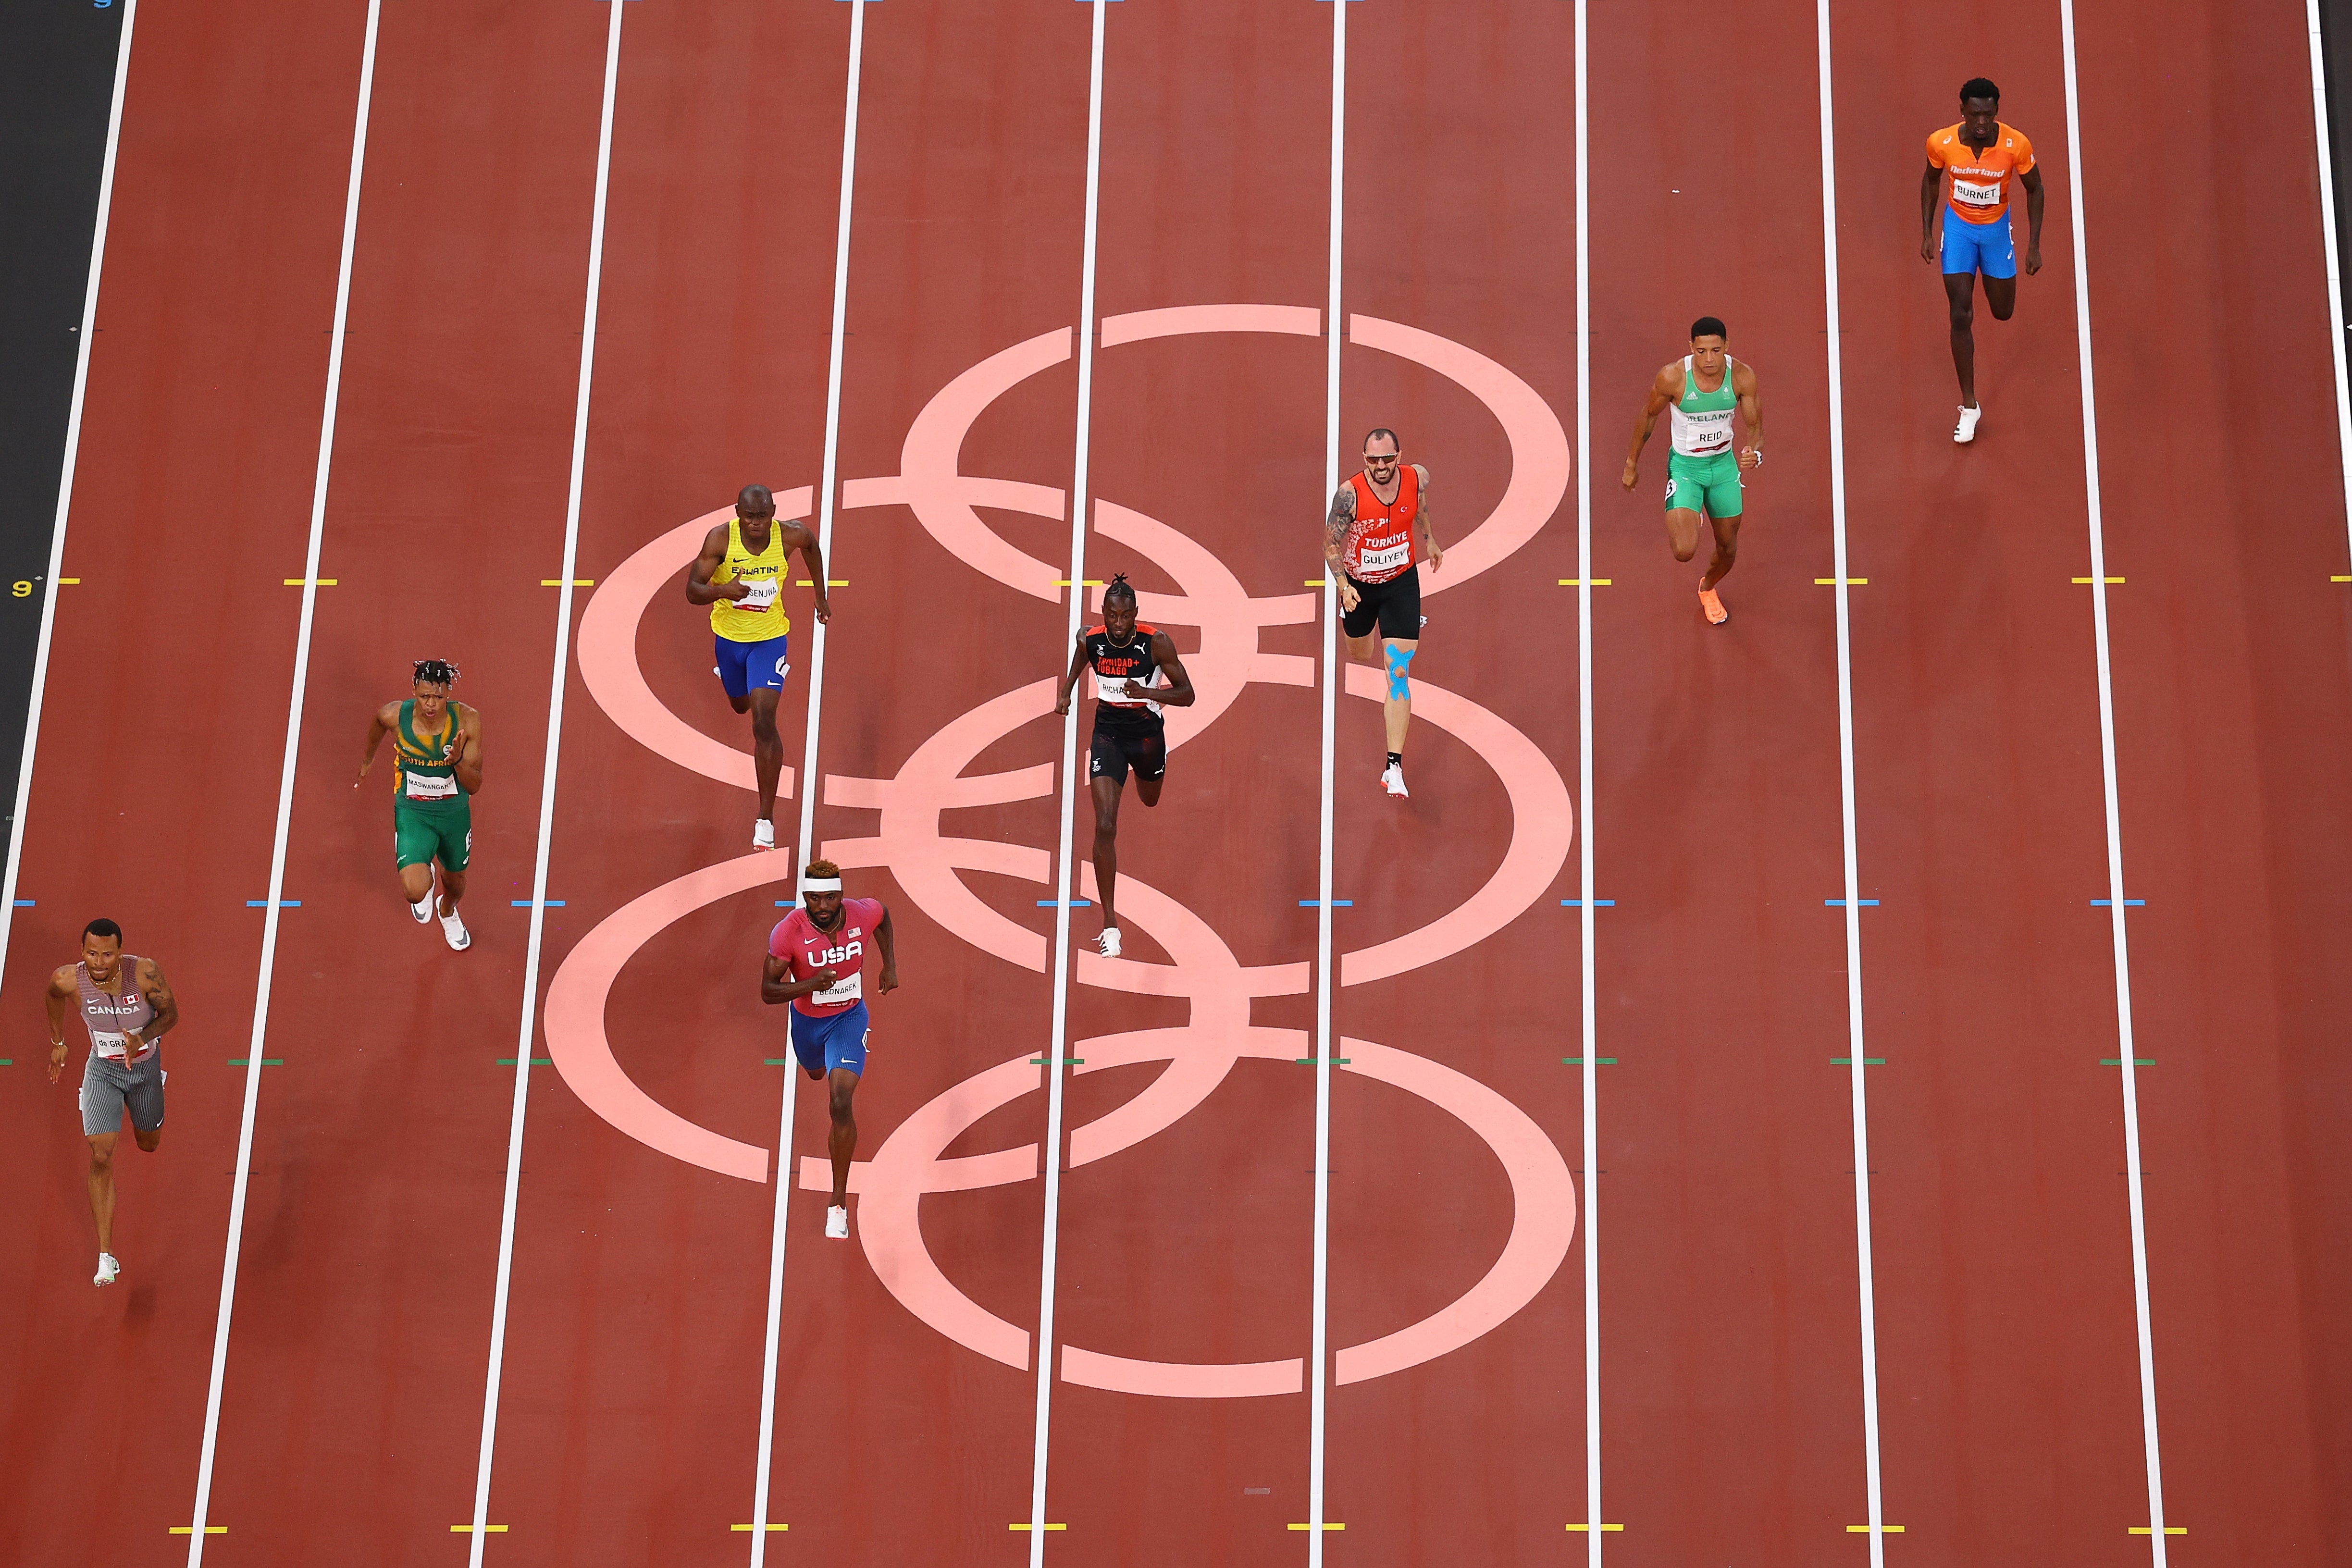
(1380, 541)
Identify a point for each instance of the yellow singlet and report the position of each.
(761, 616)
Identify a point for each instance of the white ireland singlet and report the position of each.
(1702, 420)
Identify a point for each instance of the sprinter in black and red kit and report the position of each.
(1129, 659)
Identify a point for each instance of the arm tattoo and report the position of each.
(162, 1001)
(1343, 513)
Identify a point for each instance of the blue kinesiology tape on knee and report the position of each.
(1400, 661)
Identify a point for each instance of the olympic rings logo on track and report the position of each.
(910, 843)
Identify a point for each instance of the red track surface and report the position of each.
(1731, 1399)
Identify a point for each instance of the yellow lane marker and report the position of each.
(1883, 1530)
(298, 582)
(2085, 582)
(69, 581)
(844, 583)
(748, 1529)
(1578, 582)
(1310, 1527)
(576, 582)
(223, 1529)
(1587, 1529)
(1088, 582)
(468, 1530)
(2340, 577)
(1025, 1525)
(2169, 1529)
(1832, 582)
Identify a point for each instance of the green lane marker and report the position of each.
(535, 1062)
(1866, 1062)
(1597, 1062)
(2118, 1061)
(266, 1062)
(775, 1062)
(1312, 1060)
(7, 1061)
(1066, 1061)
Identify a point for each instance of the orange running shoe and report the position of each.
(1712, 602)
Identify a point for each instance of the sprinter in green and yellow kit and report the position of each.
(1705, 389)
(437, 769)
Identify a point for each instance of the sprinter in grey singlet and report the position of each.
(126, 1006)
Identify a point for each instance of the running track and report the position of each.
(2009, 1419)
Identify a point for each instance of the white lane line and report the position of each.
(2327, 256)
(1592, 1032)
(1319, 1362)
(65, 482)
(1857, 1080)
(808, 779)
(294, 706)
(547, 793)
(2114, 810)
(1054, 1072)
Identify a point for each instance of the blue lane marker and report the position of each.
(24, 903)
(525, 902)
(1597, 903)
(1839, 902)
(2110, 903)
(282, 903)
(1336, 903)
(1075, 904)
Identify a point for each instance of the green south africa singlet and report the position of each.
(423, 779)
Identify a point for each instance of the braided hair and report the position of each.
(434, 672)
(1120, 589)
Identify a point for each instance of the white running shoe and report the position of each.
(107, 1269)
(422, 910)
(836, 1224)
(453, 930)
(1108, 942)
(763, 834)
(1966, 431)
(1393, 780)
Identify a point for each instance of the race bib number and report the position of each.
(107, 1044)
(762, 594)
(1118, 689)
(430, 787)
(1976, 192)
(1706, 442)
(1387, 558)
(843, 991)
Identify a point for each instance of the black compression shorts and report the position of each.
(1142, 746)
(1395, 605)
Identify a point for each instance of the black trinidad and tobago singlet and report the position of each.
(1111, 662)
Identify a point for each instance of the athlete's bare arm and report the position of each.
(1931, 186)
(386, 719)
(1178, 692)
(2031, 180)
(1666, 387)
(699, 589)
(1752, 411)
(63, 989)
(158, 992)
(884, 939)
(1428, 548)
(465, 747)
(802, 539)
(777, 985)
(1334, 541)
(1070, 677)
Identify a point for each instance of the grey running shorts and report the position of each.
(108, 1088)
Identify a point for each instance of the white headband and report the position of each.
(820, 884)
